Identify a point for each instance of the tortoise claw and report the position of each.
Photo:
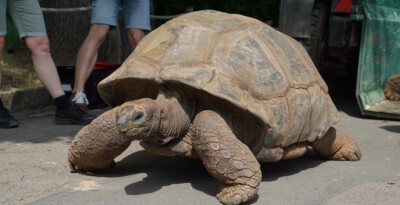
(72, 167)
(76, 168)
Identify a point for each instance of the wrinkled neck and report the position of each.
(175, 117)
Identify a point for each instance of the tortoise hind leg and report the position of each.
(338, 146)
(226, 158)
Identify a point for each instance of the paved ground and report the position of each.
(34, 170)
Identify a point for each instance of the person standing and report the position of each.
(28, 18)
(136, 15)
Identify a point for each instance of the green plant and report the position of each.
(11, 37)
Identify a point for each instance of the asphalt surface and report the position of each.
(34, 170)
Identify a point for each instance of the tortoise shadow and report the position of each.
(161, 172)
(164, 171)
(272, 171)
(392, 128)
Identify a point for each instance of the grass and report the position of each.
(18, 73)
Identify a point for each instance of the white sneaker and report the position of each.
(80, 100)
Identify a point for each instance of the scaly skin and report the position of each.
(97, 144)
(392, 87)
(337, 146)
(209, 137)
(180, 147)
(226, 158)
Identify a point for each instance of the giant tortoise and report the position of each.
(226, 88)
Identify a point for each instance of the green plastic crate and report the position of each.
(379, 57)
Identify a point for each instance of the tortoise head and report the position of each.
(138, 119)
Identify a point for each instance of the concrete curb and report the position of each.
(25, 99)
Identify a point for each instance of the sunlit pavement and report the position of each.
(34, 170)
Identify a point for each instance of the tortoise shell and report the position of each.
(240, 61)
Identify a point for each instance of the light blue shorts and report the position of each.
(27, 17)
(136, 13)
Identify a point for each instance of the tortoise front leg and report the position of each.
(226, 158)
(97, 144)
(338, 146)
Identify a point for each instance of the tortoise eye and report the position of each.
(137, 116)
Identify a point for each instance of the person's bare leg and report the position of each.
(134, 36)
(44, 64)
(87, 54)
